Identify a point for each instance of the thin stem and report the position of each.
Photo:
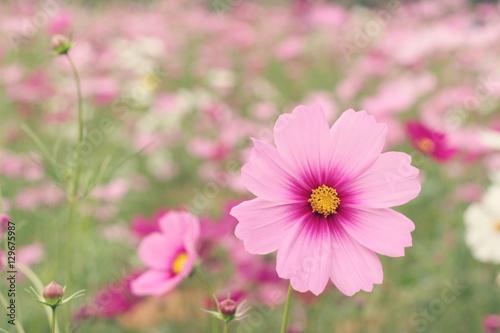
(284, 324)
(202, 276)
(78, 167)
(73, 190)
(80, 125)
(53, 326)
(226, 325)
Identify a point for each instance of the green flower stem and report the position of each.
(202, 276)
(226, 325)
(53, 325)
(284, 324)
(72, 196)
(73, 190)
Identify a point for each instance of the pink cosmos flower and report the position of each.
(169, 254)
(430, 142)
(323, 198)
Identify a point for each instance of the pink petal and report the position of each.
(158, 250)
(304, 257)
(354, 267)
(154, 283)
(358, 140)
(263, 224)
(390, 181)
(180, 223)
(381, 230)
(303, 141)
(267, 176)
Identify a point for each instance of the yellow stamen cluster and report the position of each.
(426, 145)
(324, 200)
(179, 262)
(497, 225)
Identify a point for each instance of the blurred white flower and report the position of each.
(482, 222)
(491, 139)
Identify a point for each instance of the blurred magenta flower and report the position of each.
(142, 226)
(323, 198)
(111, 301)
(169, 254)
(491, 324)
(430, 142)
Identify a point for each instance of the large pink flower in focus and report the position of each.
(323, 198)
(170, 254)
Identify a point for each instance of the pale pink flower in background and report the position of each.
(327, 102)
(398, 94)
(113, 191)
(170, 254)
(60, 23)
(104, 212)
(31, 254)
(323, 198)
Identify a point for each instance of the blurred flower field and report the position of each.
(173, 93)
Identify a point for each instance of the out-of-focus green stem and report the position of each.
(201, 275)
(284, 324)
(73, 189)
(72, 196)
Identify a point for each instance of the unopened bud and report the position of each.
(61, 44)
(228, 307)
(53, 293)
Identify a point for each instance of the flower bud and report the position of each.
(53, 293)
(61, 44)
(228, 307)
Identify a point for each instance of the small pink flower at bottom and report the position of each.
(323, 198)
(170, 254)
(430, 142)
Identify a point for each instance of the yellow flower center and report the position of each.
(426, 145)
(324, 200)
(497, 225)
(150, 82)
(179, 263)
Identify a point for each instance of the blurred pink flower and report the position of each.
(111, 301)
(142, 226)
(323, 200)
(491, 324)
(430, 142)
(31, 198)
(4, 219)
(60, 23)
(113, 191)
(215, 230)
(169, 254)
(30, 254)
